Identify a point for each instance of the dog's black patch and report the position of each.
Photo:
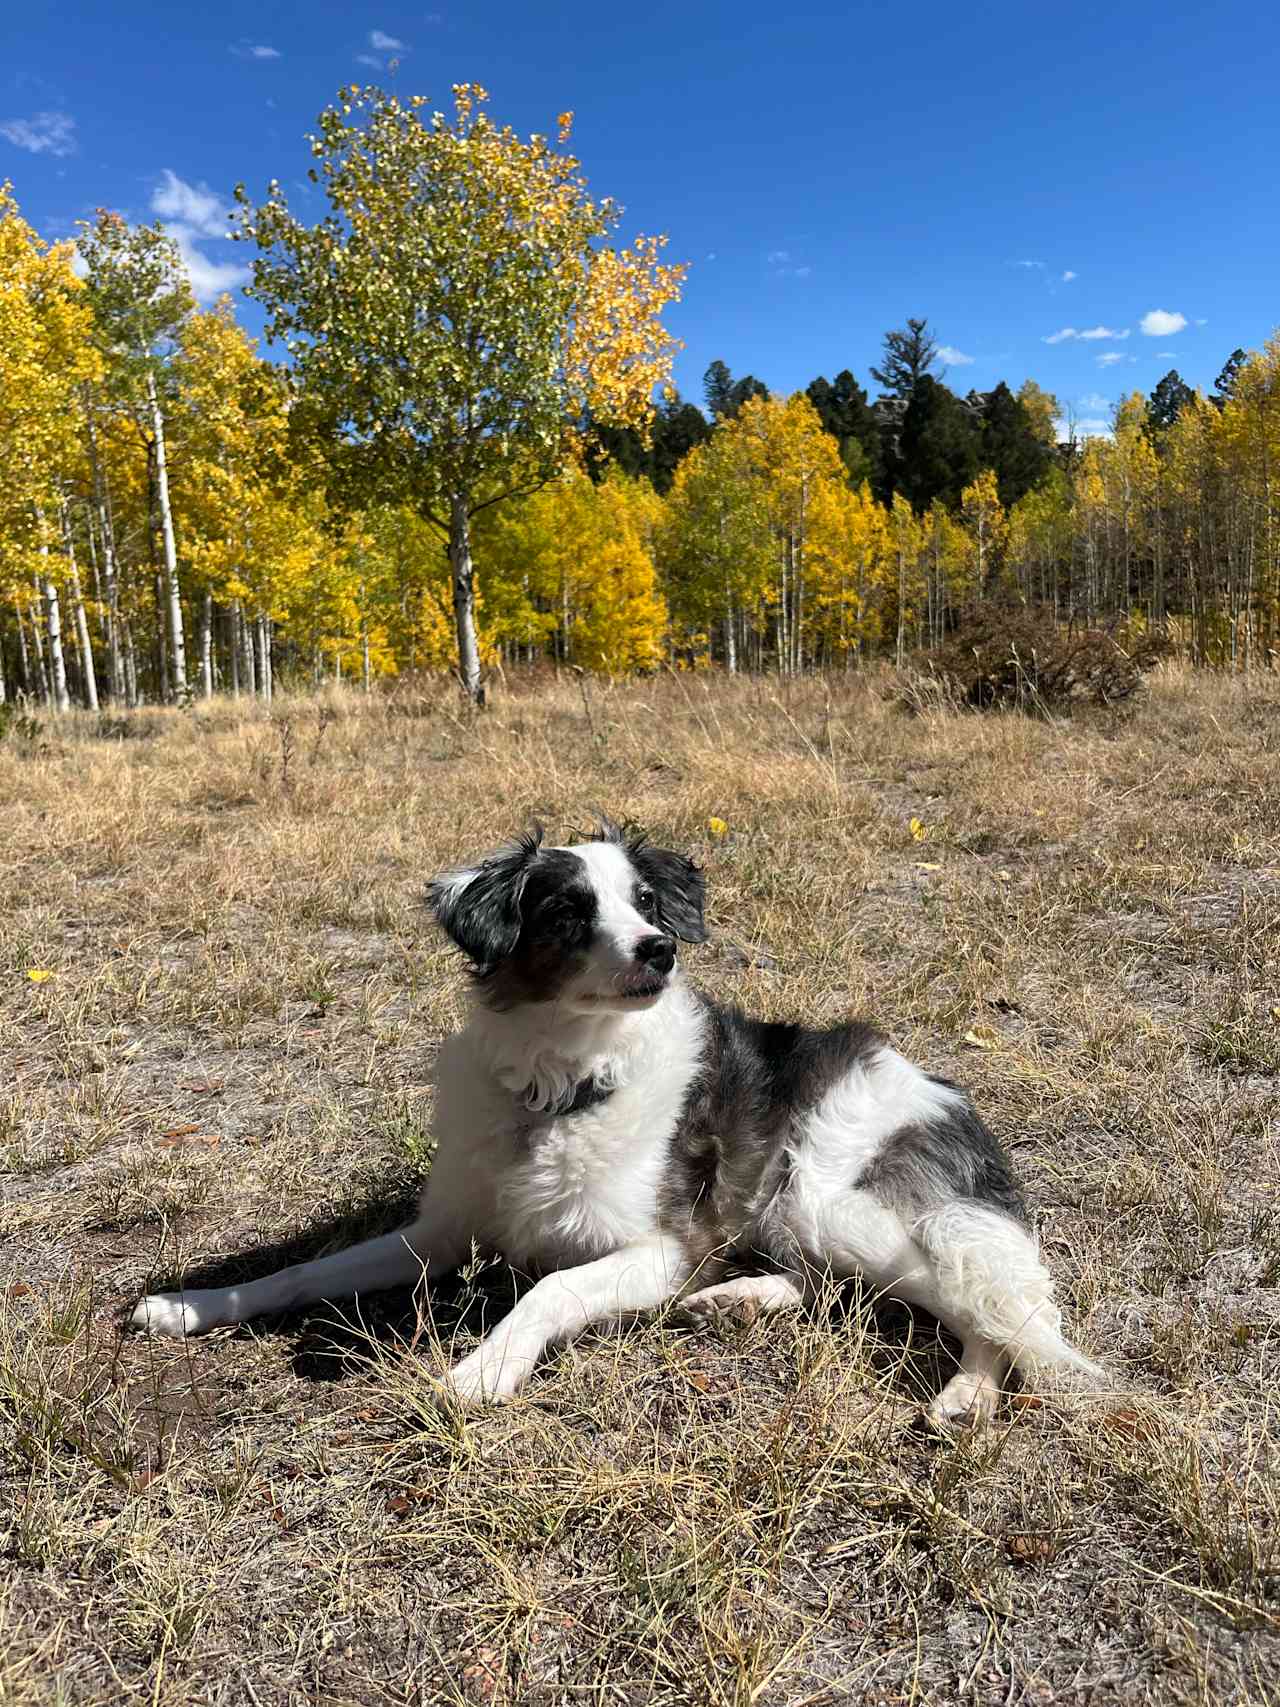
(927, 1163)
(558, 911)
(757, 1080)
(677, 884)
(483, 916)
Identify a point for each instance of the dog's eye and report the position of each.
(646, 901)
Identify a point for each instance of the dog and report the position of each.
(603, 1124)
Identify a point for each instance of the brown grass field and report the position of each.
(229, 1062)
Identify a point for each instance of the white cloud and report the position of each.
(194, 205)
(1202, 322)
(1094, 401)
(1111, 357)
(260, 50)
(46, 133)
(194, 214)
(1068, 276)
(1160, 323)
(369, 59)
(209, 279)
(954, 357)
(1036, 264)
(384, 43)
(784, 266)
(1089, 334)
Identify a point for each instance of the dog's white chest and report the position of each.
(587, 1185)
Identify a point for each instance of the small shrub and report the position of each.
(1020, 657)
(15, 722)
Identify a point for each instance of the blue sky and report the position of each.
(1087, 195)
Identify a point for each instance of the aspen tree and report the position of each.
(455, 318)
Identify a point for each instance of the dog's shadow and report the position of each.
(333, 1341)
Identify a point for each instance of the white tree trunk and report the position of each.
(87, 670)
(464, 599)
(232, 624)
(130, 667)
(177, 640)
(24, 657)
(53, 622)
(115, 665)
(248, 675)
(262, 638)
(206, 645)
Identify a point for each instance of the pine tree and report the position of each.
(910, 353)
(939, 448)
(1011, 445)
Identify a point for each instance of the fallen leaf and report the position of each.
(697, 1379)
(399, 1505)
(19, 1289)
(919, 831)
(927, 865)
(982, 1037)
(38, 975)
(1004, 876)
(1026, 1402)
(181, 1131)
(1130, 1424)
(1029, 1549)
(717, 826)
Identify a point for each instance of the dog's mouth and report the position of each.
(641, 987)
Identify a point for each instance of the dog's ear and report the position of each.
(679, 886)
(479, 906)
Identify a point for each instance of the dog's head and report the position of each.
(594, 925)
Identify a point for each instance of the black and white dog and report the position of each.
(603, 1124)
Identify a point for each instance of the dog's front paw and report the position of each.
(713, 1309)
(484, 1379)
(174, 1315)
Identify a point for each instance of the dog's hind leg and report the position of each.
(426, 1248)
(971, 1395)
(974, 1269)
(743, 1299)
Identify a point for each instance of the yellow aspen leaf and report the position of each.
(982, 1037)
(38, 975)
(717, 826)
(919, 831)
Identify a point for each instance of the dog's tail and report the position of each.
(990, 1265)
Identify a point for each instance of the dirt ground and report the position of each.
(220, 997)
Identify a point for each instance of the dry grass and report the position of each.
(230, 1062)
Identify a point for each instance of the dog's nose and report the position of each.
(656, 951)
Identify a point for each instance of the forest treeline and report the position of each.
(459, 461)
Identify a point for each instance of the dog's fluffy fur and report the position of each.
(602, 1124)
